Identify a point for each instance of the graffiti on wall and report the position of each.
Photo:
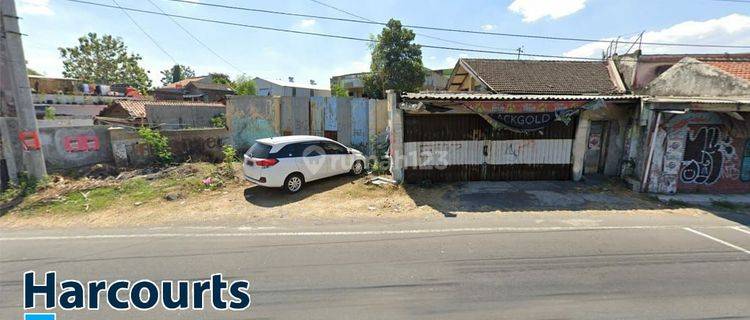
(708, 153)
(81, 143)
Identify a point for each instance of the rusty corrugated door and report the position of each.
(464, 147)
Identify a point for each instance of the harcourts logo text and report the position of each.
(140, 295)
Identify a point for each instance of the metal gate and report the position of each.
(464, 147)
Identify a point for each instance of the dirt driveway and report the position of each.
(346, 200)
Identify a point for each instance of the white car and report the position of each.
(291, 161)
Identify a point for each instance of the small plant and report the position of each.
(219, 121)
(226, 168)
(26, 185)
(49, 113)
(158, 143)
(212, 183)
(378, 162)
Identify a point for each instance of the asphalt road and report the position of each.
(598, 268)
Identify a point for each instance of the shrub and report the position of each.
(158, 144)
(49, 113)
(219, 121)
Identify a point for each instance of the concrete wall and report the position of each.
(295, 116)
(694, 153)
(251, 117)
(73, 147)
(129, 150)
(352, 121)
(182, 117)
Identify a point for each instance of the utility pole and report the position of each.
(520, 51)
(16, 92)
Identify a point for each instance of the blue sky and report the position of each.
(55, 23)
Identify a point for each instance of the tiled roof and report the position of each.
(211, 86)
(740, 69)
(137, 108)
(544, 77)
(183, 83)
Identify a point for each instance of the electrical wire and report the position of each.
(144, 31)
(419, 34)
(327, 35)
(518, 35)
(197, 40)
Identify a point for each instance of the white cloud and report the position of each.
(360, 65)
(733, 29)
(306, 23)
(35, 7)
(533, 10)
(488, 27)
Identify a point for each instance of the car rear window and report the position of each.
(259, 150)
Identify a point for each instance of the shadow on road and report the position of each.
(274, 197)
(601, 194)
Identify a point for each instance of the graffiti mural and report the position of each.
(707, 152)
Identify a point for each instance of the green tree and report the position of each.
(104, 60)
(396, 62)
(176, 73)
(244, 85)
(338, 91)
(220, 78)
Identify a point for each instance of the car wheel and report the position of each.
(293, 183)
(358, 167)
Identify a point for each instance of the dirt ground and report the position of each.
(343, 199)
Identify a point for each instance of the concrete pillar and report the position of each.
(17, 87)
(396, 137)
(580, 144)
(9, 134)
(119, 146)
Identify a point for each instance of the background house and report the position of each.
(693, 132)
(194, 89)
(268, 87)
(514, 120)
(176, 114)
(53, 85)
(354, 84)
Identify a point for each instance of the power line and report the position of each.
(517, 35)
(327, 35)
(144, 31)
(196, 39)
(419, 34)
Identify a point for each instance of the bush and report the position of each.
(219, 121)
(49, 113)
(226, 168)
(158, 144)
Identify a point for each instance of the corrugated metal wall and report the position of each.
(464, 147)
(350, 121)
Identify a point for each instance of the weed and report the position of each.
(219, 121)
(158, 144)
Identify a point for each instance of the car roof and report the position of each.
(291, 139)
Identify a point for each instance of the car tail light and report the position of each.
(266, 162)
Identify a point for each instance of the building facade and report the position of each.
(268, 87)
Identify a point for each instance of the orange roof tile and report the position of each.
(740, 69)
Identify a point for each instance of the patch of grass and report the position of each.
(130, 192)
(186, 180)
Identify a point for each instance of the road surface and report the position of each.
(550, 267)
